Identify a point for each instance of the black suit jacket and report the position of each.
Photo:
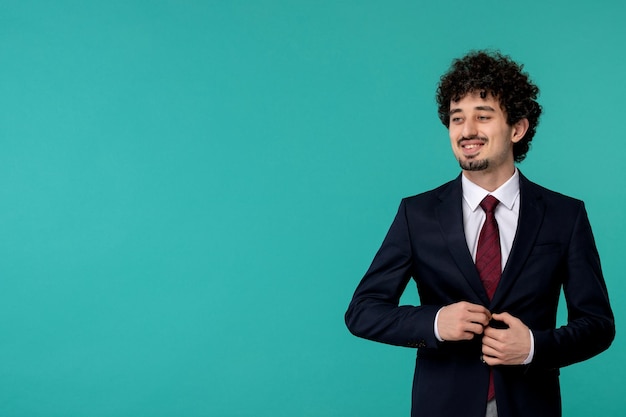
(553, 249)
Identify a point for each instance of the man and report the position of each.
(490, 252)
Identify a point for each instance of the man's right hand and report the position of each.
(462, 321)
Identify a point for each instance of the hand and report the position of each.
(462, 321)
(506, 346)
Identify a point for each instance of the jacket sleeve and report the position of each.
(374, 312)
(590, 327)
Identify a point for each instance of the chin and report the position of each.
(474, 165)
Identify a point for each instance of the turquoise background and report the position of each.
(190, 192)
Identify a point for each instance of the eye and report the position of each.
(456, 120)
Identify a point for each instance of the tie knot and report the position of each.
(489, 203)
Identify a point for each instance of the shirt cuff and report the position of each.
(437, 330)
(531, 354)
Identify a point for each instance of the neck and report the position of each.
(490, 181)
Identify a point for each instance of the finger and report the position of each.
(493, 350)
(468, 335)
(477, 308)
(479, 318)
(493, 333)
(491, 361)
(504, 317)
(488, 341)
(489, 352)
(475, 328)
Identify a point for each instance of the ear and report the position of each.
(519, 130)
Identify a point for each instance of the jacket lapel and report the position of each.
(450, 217)
(530, 218)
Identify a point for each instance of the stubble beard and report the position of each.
(471, 165)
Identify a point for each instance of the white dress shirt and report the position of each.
(507, 214)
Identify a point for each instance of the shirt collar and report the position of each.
(507, 193)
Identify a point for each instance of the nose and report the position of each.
(469, 128)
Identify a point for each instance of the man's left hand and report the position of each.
(509, 346)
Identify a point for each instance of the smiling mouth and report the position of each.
(471, 147)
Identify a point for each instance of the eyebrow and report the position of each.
(480, 108)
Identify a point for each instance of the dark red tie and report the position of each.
(489, 258)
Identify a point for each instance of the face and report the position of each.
(480, 136)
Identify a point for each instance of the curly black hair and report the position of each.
(496, 74)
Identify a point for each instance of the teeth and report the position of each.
(471, 146)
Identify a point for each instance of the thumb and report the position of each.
(504, 318)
